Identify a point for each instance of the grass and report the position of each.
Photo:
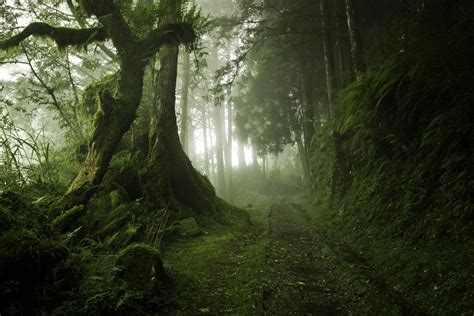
(221, 271)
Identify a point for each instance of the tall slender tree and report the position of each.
(358, 61)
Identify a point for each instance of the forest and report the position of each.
(236, 157)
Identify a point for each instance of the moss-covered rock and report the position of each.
(189, 228)
(140, 267)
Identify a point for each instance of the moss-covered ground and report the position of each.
(220, 272)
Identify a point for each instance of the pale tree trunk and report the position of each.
(308, 106)
(275, 162)
(212, 148)
(184, 103)
(328, 57)
(255, 159)
(304, 162)
(358, 62)
(241, 156)
(340, 44)
(229, 146)
(206, 148)
(219, 131)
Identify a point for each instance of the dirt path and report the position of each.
(314, 275)
(303, 280)
(283, 264)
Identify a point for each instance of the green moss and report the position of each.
(90, 103)
(140, 267)
(189, 228)
(69, 219)
(118, 197)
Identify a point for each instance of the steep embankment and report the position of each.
(394, 173)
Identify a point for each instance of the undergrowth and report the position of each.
(393, 175)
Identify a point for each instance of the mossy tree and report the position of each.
(170, 177)
(116, 109)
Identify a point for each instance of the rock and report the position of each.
(189, 228)
(140, 267)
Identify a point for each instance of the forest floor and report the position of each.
(282, 264)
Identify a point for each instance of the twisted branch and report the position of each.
(63, 36)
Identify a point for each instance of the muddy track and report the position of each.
(303, 264)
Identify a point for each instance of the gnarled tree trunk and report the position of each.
(170, 176)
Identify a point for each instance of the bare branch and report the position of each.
(61, 35)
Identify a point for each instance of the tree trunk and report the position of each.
(229, 146)
(304, 163)
(170, 175)
(328, 57)
(206, 149)
(221, 183)
(184, 103)
(113, 120)
(340, 44)
(241, 156)
(308, 107)
(255, 159)
(355, 39)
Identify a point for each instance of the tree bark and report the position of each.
(184, 103)
(304, 162)
(255, 159)
(241, 156)
(206, 147)
(328, 57)
(229, 146)
(358, 62)
(308, 107)
(221, 182)
(113, 119)
(340, 43)
(171, 177)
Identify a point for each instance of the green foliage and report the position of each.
(401, 152)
